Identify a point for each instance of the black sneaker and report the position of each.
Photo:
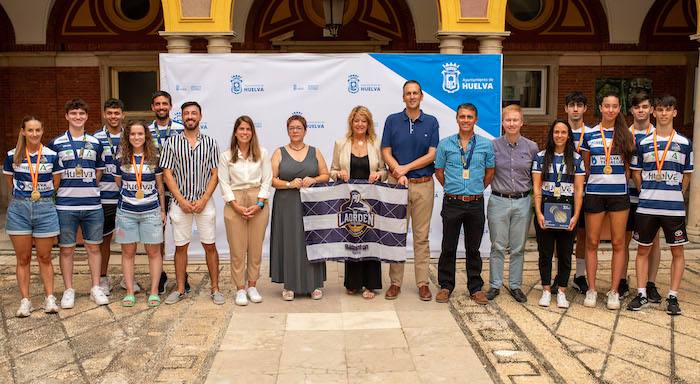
(672, 307)
(652, 293)
(581, 284)
(623, 289)
(162, 283)
(637, 303)
(492, 293)
(518, 295)
(187, 283)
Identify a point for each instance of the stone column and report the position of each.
(451, 44)
(177, 43)
(693, 225)
(220, 42)
(491, 43)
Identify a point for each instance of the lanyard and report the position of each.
(167, 131)
(35, 175)
(138, 172)
(660, 162)
(580, 139)
(78, 159)
(560, 172)
(634, 137)
(111, 144)
(471, 144)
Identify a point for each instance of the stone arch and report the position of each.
(667, 25)
(7, 31)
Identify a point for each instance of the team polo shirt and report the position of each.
(128, 201)
(78, 193)
(578, 142)
(663, 198)
(410, 140)
(557, 175)
(598, 182)
(162, 133)
(638, 136)
(21, 175)
(449, 158)
(109, 192)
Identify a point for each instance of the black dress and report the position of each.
(362, 273)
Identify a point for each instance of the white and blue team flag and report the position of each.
(355, 221)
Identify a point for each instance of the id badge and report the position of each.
(465, 174)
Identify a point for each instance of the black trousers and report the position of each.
(363, 274)
(547, 241)
(456, 215)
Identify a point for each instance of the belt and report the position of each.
(517, 195)
(419, 180)
(450, 196)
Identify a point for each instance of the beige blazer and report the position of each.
(341, 157)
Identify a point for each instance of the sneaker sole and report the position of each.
(53, 310)
(563, 306)
(67, 306)
(588, 305)
(95, 301)
(674, 313)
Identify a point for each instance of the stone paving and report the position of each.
(347, 339)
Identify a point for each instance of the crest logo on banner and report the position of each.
(236, 84)
(356, 215)
(450, 77)
(353, 83)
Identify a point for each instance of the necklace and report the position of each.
(297, 149)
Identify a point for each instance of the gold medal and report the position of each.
(79, 170)
(465, 174)
(139, 194)
(659, 178)
(608, 151)
(36, 195)
(607, 169)
(557, 192)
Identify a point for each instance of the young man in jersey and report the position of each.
(661, 171)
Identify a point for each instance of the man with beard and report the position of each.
(189, 162)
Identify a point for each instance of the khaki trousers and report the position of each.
(420, 210)
(245, 238)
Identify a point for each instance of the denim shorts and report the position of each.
(90, 222)
(144, 227)
(36, 218)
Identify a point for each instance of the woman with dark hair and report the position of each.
(141, 208)
(245, 175)
(31, 216)
(557, 176)
(607, 151)
(294, 166)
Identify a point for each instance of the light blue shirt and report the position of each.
(449, 158)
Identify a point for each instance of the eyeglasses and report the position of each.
(295, 128)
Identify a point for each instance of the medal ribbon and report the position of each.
(138, 172)
(634, 137)
(35, 175)
(167, 131)
(660, 162)
(78, 159)
(606, 148)
(580, 139)
(471, 144)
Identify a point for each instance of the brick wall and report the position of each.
(43, 92)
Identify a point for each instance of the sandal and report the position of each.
(368, 294)
(287, 295)
(153, 301)
(317, 294)
(128, 301)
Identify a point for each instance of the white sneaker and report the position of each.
(591, 299)
(254, 295)
(561, 300)
(545, 299)
(613, 300)
(137, 287)
(68, 298)
(106, 285)
(25, 308)
(241, 298)
(98, 296)
(50, 304)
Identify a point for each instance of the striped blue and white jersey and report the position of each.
(579, 136)
(663, 198)
(78, 193)
(21, 175)
(638, 136)
(598, 182)
(557, 176)
(109, 192)
(128, 201)
(162, 134)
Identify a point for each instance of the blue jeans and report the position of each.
(90, 223)
(509, 221)
(36, 218)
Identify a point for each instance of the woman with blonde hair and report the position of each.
(245, 175)
(31, 216)
(358, 156)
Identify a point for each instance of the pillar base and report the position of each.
(220, 42)
(491, 44)
(451, 44)
(177, 43)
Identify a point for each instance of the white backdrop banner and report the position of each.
(324, 88)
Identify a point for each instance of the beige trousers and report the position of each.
(420, 209)
(245, 238)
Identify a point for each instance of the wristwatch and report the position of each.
(260, 204)
(288, 184)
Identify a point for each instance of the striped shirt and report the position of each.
(579, 135)
(109, 192)
(663, 198)
(22, 178)
(191, 167)
(161, 134)
(638, 136)
(450, 158)
(78, 193)
(128, 201)
(598, 182)
(558, 178)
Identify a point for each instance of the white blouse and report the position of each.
(244, 174)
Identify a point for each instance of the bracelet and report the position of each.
(260, 204)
